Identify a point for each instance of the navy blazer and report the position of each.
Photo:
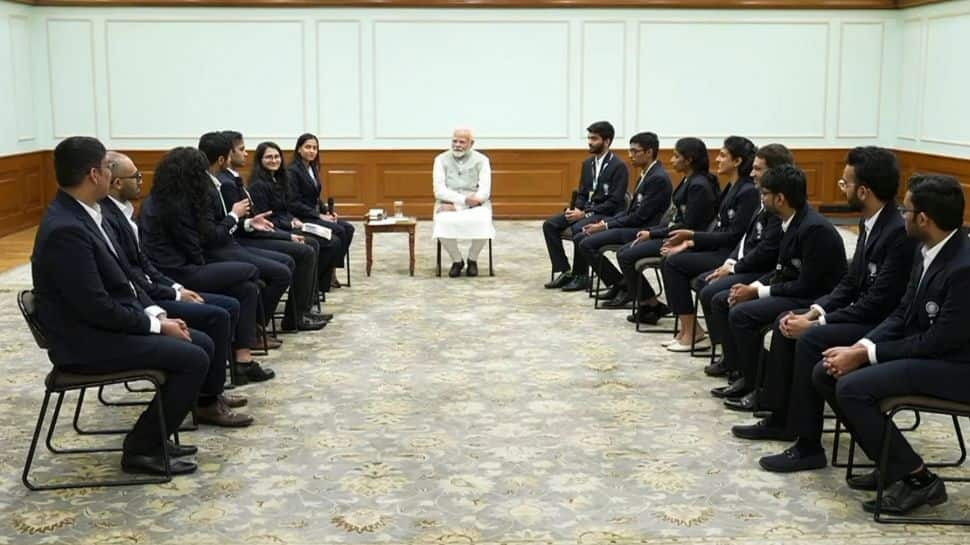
(651, 198)
(739, 202)
(761, 242)
(304, 194)
(931, 321)
(85, 299)
(232, 191)
(695, 201)
(609, 195)
(275, 196)
(143, 272)
(171, 241)
(877, 278)
(811, 258)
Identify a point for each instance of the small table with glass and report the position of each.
(389, 225)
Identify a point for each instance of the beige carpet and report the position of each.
(451, 411)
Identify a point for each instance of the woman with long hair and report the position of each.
(694, 202)
(689, 253)
(269, 186)
(307, 193)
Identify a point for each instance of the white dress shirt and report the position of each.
(763, 290)
(732, 262)
(128, 210)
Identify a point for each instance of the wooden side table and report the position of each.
(404, 226)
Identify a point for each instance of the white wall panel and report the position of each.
(910, 80)
(945, 106)
(70, 54)
(713, 79)
(167, 79)
(604, 82)
(21, 77)
(507, 79)
(339, 76)
(860, 80)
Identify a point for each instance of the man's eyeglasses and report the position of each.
(138, 177)
(902, 210)
(843, 184)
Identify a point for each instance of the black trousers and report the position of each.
(745, 320)
(235, 279)
(714, 301)
(856, 398)
(801, 405)
(627, 257)
(185, 365)
(216, 318)
(275, 270)
(552, 230)
(589, 248)
(344, 230)
(304, 255)
(678, 272)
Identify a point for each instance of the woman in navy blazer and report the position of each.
(689, 253)
(307, 189)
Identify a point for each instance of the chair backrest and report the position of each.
(25, 300)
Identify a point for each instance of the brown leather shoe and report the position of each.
(271, 342)
(219, 414)
(334, 282)
(234, 401)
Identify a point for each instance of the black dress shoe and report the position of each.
(179, 451)
(559, 281)
(472, 268)
(154, 465)
(902, 497)
(643, 315)
(579, 283)
(610, 294)
(456, 268)
(792, 460)
(322, 316)
(306, 323)
(716, 370)
(863, 481)
(734, 375)
(747, 403)
(762, 430)
(254, 372)
(622, 300)
(736, 389)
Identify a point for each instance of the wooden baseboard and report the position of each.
(527, 184)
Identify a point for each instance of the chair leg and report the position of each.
(438, 259)
(599, 267)
(347, 266)
(491, 267)
(25, 477)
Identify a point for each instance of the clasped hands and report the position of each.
(471, 201)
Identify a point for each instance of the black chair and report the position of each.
(491, 268)
(60, 382)
(641, 266)
(921, 404)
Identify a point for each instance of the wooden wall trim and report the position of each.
(527, 184)
(515, 4)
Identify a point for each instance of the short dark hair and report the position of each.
(234, 137)
(876, 168)
(215, 145)
(74, 157)
(695, 151)
(789, 181)
(604, 129)
(741, 148)
(938, 196)
(647, 141)
(775, 155)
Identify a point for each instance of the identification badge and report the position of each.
(731, 214)
(873, 270)
(797, 263)
(606, 188)
(683, 209)
(932, 309)
(758, 227)
(639, 197)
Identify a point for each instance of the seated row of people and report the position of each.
(762, 259)
(185, 286)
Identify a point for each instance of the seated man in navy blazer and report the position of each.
(215, 315)
(872, 288)
(601, 194)
(651, 198)
(922, 348)
(811, 261)
(97, 320)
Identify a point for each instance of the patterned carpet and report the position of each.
(451, 411)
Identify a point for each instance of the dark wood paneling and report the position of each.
(24, 190)
(526, 183)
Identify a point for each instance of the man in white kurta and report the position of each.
(463, 209)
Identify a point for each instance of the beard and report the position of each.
(854, 203)
(458, 154)
(596, 149)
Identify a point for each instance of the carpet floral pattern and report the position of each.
(449, 411)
